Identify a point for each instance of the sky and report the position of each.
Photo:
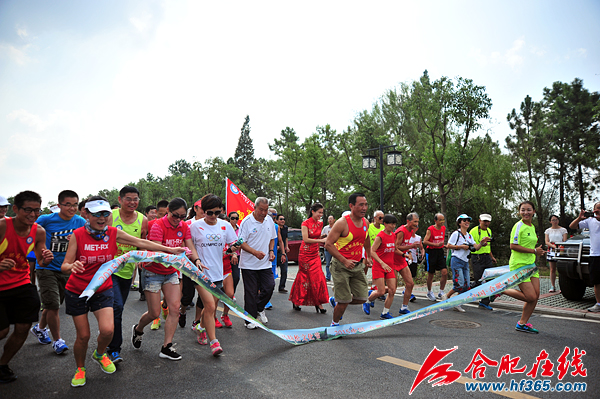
(96, 94)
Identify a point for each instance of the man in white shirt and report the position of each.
(258, 232)
(593, 224)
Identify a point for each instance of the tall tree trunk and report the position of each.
(580, 183)
(561, 181)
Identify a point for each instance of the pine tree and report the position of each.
(244, 152)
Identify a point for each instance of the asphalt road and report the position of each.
(256, 364)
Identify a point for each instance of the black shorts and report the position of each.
(19, 305)
(434, 259)
(75, 306)
(594, 268)
(413, 269)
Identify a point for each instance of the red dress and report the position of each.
(310, 288)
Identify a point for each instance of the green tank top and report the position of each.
(133, 229)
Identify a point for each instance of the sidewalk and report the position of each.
(549, 303)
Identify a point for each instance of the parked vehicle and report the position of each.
(294, 242)
(572, 265)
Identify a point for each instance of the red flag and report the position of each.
(236, 201)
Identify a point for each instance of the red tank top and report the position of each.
(16, 248)
(386, 249)
(437, 236)
(351, 246)
(400, 259)
(92, 253)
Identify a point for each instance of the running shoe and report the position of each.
(79, 378)
(263, 317)
(430, 296)
(405, 310)
(553, 289)
(334, 324)
(216, 349)
(167, 352)
(441, 296)
(459, 309)
(251, 326)
(42, 335)
(202, 338)
(595, 308)
(194, 324)
(332, 301)
(155, 324)
(115, 356)
(136, 337)
(6, 374)
(105, 364)
(494, 297)
(412, 298)
(485, 306)
(528, 328)
(182, 320)
(226, 321)
(366, 308)
(59, 346)
(134, 287)
(218, 323)
(385, 316)
(164, 311)
(269, 306)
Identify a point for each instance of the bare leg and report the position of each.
(14, 342)
(408, 284)
(106, 325)
(443, 279)
(380, 284)
(553, 273)
(208, 314)
(172, 294)
(429, 281)
(228, 289)
(153, 302)
(82, 327)
(391, 285)
(51, 319)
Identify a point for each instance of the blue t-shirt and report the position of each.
(58, 232)
(274, 263)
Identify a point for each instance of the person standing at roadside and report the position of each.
(282, 256)
(553, 235)
(593, 224)
(324, 234)
(482, 258)
(434, 256)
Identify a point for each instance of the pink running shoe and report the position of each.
(216, 349)
(202, 338)
(226, 321)
(218, 323)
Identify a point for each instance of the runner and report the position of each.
(188, 287)
(4, 204)
(161, 211)
(403, 245)
(434, 256)
(89, 247)
(171, 231)
(59, 227)
(211, 235)
(134, 223)
(19, 300)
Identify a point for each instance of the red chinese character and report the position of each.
(509, 366)
(577, 363)
(534, 369)
(563, 363)
(440, 375)
(477, 365)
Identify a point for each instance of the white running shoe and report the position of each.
(430, 296)
(459, 309)
(263, 317)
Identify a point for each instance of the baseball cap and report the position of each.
(3, 201)
(97, 206)
(485, 216)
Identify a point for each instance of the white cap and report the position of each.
(3, 201)
(345, 213)
(463, 216)
(485, 216)
(97, 206)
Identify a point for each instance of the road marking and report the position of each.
(570, 318)
(462, 380)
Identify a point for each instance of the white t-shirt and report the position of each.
(326, 230)
(415, 251)
(458, 239)
(593, 225)
(258, 236)
(210, 242)
(556, 235)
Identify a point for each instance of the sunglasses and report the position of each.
(234, 218)
(210, 213)
(101, 214)
(176, 216)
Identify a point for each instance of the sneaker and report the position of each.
(381, 298)
(134, 287)
(155, 324)
(79, 378)
(441, 296)
(136, 337)
(528, 328)
(334, 324)
(412, 298)
(182, 319)
(42, 335)
(202, 338)
(105, 364)
(494, 297)
(251, 326)
(430, 296)
(115, 357)
(595, 308)
(404, 310)
(216, 349)
(332, 301)
(194, 324)
(167, 352)
(164, 311)
(6, 374)
(366, 308)
(226, 321)
(485, 306)
(269, 306)
(263, 317)
(218, 323)
(459, 309)
(385, 316)
(553, 289)
(59, 346)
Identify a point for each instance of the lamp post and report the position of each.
(394, 158)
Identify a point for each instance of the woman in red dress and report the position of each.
(310, 288)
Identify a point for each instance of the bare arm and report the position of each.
(426, 239)
(126, 239)
(374, 248)
(43, 255)
(308, 240)
(519, 248)
(575, 223)
(70, 264)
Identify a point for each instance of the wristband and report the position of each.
(270, 250)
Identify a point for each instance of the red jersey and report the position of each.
(400, 259)
(308, 251)
(386, 249)
(437, 236)
(92, 253)
(16, 248)
(169, 236)
(351, 246)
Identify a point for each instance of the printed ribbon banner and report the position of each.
(304, 336)
(236, 201)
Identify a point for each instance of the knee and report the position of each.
(107, 331)
(410, 284)
(83, 337)
(444, 272)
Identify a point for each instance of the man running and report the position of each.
(59, 227)
(345, 243)
(434, 256)
(19, 300)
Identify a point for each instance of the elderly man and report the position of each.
(483, 258)
(258, 251)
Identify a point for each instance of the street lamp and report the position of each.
(394, 158)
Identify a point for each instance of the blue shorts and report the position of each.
(75, 306)
(153, 282)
